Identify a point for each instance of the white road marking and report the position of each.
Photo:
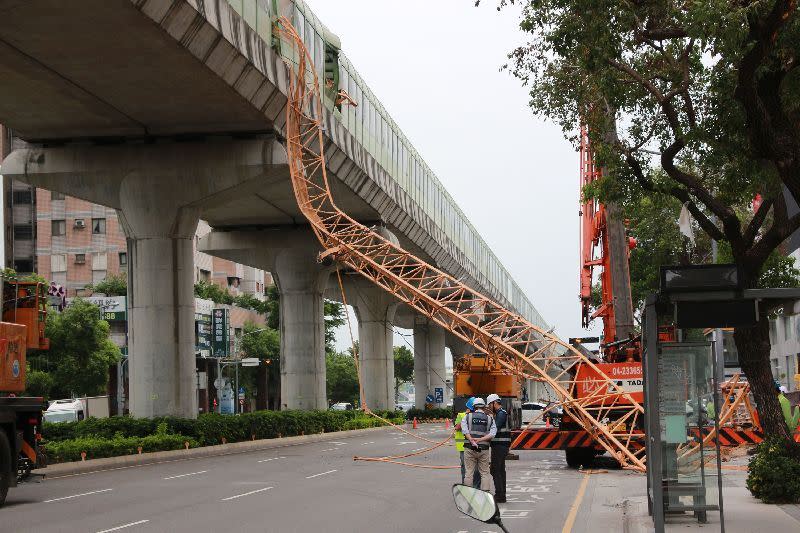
(322, 474)
(337, 443)
(407, 442)
(270, 459)
(328, 450)
(418, 449)
(184, 475)
(76, 495)
(370, 442)
(245, 494)
(124, 526)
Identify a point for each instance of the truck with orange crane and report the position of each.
(24, 316)
(604, 245)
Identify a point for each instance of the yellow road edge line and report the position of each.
(573, 511)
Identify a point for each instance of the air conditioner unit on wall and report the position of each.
(79, 223)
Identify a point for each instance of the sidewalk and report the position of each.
(743, 513)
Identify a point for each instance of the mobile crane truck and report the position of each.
(22, 328)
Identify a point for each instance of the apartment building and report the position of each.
(76, 243)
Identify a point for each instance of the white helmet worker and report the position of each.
(478, 402)
(492, 398)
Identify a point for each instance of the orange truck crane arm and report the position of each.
(600, 229)
(504, 336)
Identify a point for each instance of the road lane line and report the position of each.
(328, 450)
(124, 526)
(245, 494)
(322, 474)
(270, 459)
(573, 511)
(184, 475)
(76, 495)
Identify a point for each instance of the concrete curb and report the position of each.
(130, 461)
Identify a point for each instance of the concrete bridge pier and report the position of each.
(160, 298)
(430, 371)
(160, 190)
(375, 310)
(301, 283)
(290, 253)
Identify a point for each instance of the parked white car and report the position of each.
(342, 406)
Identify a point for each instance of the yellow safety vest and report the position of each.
(459, 434)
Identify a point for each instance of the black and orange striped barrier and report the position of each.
(732, 436)
(551, 439)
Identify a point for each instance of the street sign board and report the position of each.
(439, 393)
(221, 340)
(429, 398)
(250, 361)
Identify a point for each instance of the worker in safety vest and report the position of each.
(459, 437)
(479, 428)
(792, 418)
(500, 445)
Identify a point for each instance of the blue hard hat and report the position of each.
(470, 402)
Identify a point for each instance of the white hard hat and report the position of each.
(478, 402)
(784, 389)
(492, 398)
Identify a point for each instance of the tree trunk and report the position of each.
(752, 344)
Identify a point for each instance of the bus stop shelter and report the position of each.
(682, 388)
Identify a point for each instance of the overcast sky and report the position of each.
(435, 66)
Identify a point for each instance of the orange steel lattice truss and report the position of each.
(507, 338)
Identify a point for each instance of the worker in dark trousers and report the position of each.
(500, 445)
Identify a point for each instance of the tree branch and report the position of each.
(755, 224)
(730, 222)
(681, 194)
(761, 116)
(776, 234)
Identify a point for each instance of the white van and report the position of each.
(531, 410)
(65, 411)
(74, 409)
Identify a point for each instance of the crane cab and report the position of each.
(25, 303)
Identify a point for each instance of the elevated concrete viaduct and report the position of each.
(171, 110)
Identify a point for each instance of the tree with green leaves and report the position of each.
(403, 367)
(264, 344)
(694, 101)
(80, 353)
(341, 377)
(112, 285)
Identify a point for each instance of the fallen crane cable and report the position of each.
(367, 410)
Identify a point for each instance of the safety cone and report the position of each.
(446, 423)
(547, 422)
(415, 422)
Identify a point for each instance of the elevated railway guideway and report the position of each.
(507, 338)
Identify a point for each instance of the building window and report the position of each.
(205, 275)
(55, 195)
(98, 226)
(58, 263)
(80, 259)
(123, 259)
(22, 197)
(59, 227)
(23, 232)
(23, 265)
(100, 261)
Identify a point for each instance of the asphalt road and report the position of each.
(309, 488)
